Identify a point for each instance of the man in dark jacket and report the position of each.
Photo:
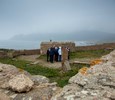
(48, 54)
(51, 54)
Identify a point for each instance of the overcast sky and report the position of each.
(62, 17)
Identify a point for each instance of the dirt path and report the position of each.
(34, 59)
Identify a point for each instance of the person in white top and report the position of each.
(60, 53)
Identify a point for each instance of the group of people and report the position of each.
(55, 54)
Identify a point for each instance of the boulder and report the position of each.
(1, 69)
(7, 72)
(36, 94)
(109, 57)
(15, 79)
(41, 92)
(94, 83)
(67, 65)
(21, 83)
(3, 96)
(39, 79)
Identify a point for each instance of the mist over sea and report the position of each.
(13, 44)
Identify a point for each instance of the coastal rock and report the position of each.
(96, 83)
(21, 83)
(39, 79)
(3, 96)
(1, 69)
(38, 93)
(8, 72)
(14, 81)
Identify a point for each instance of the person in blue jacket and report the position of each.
(51, 54)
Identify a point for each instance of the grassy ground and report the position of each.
(89, 54)
(85, 54)
(55, 75)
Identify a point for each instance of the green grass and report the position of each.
(84, 54)
(55, 75)
(89, 54)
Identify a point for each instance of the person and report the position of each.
(60, 54)
(48, 53)
(56, 54)
(51, 54)
(68, 49)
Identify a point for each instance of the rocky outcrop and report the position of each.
(96, 83)
(40, 92)
(39, 79)
(7, 72)
(3, 96)
(1, 69)
(17, 84)
(21, 83)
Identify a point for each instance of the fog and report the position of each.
(23, 23)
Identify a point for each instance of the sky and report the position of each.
(30, 21)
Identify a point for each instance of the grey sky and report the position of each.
(61, 17)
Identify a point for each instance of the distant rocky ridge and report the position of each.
(95, 83)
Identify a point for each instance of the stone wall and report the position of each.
(45, 45)
(97, 47)
(25, 52)
(15, 53)
(3, 54)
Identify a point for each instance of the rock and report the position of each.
(67, 65)
(12, 78)
(34, 63)
(8, 72)
(3, 96)
(21, 83)
(84, 92)
(98, 82)
(13, 96)
(37, 93)
(113, 64)
(1, 69)
(109, 57)
(39, 79)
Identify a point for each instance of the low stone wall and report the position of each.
(3, 54)
(45, 45)
(25, 52)
(96, 47)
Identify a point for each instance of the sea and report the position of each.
(19, 45)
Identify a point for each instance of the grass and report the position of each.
(89, 54)
(84, 54)
(55, 75)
